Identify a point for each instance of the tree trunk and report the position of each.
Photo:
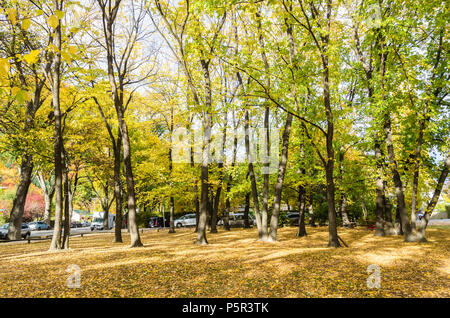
(226, 218)
(48, 197)
(134, 231)
(67, 220)
(417, 163)
(246, 211)
(265, 170)
(312, 219)
(280, 179)
(380, 201)
(15, 220)
(301, 210)
(329, 165)
(196, 201)
(251, 173)
(118, 190)
(171, 200)
(219, 187)
(401, 206)
(420, 235)
(58, 143)
(389, 227)
(202, 222)
(343, 208)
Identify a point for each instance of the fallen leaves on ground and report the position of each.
(234, 264)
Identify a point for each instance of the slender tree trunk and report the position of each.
(301, 210)
(171, 215)
(226, 218)
(67, 220)
(195, 188)
(48, 193)
(202, 222)
(312, 219)
(15, 220)
(58, 144)
(280, 179)
(329, 165)
(246, 211)
(343, 208)
(398, 222)
(215, 210)
(401, 206)
(417, 163)
(266, 164)
(134, 231)
(380, 201)
(251, 173)
(171, 200)
(118, 189)
(420, 235)
(389, 227)
(105, 208)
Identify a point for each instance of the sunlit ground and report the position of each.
(233, 265)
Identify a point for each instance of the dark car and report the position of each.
(292, 218)
(38, 226)
(158, 221)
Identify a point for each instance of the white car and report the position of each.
(186, 220)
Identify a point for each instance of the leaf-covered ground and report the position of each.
(233, 265)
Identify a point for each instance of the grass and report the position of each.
(233, 265)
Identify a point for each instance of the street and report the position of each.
(49, 233)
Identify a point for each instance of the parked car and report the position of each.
(38, 226)
(292, 218)
(85, 224)
(26, 232)
(157, 221)
(186, 220)
(237, 220)
(98, 221)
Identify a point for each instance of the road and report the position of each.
(439, 222)
(49, 233)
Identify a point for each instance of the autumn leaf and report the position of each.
(53, 21)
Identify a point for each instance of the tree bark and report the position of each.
(219, 187)
(301, 209)
(265, 170)
(389, 227)
(343, 208)
(48, 193)
(171, 199)
(312, 219)
(134, 231)
(380, 201)
(118, 189)
(202, 223)
(401, 206)
(280, 179)
(420, 235)
(67, 220)
(246, 211)
(15, 219)
(58, 144)
(329, 165)
(251, 173)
